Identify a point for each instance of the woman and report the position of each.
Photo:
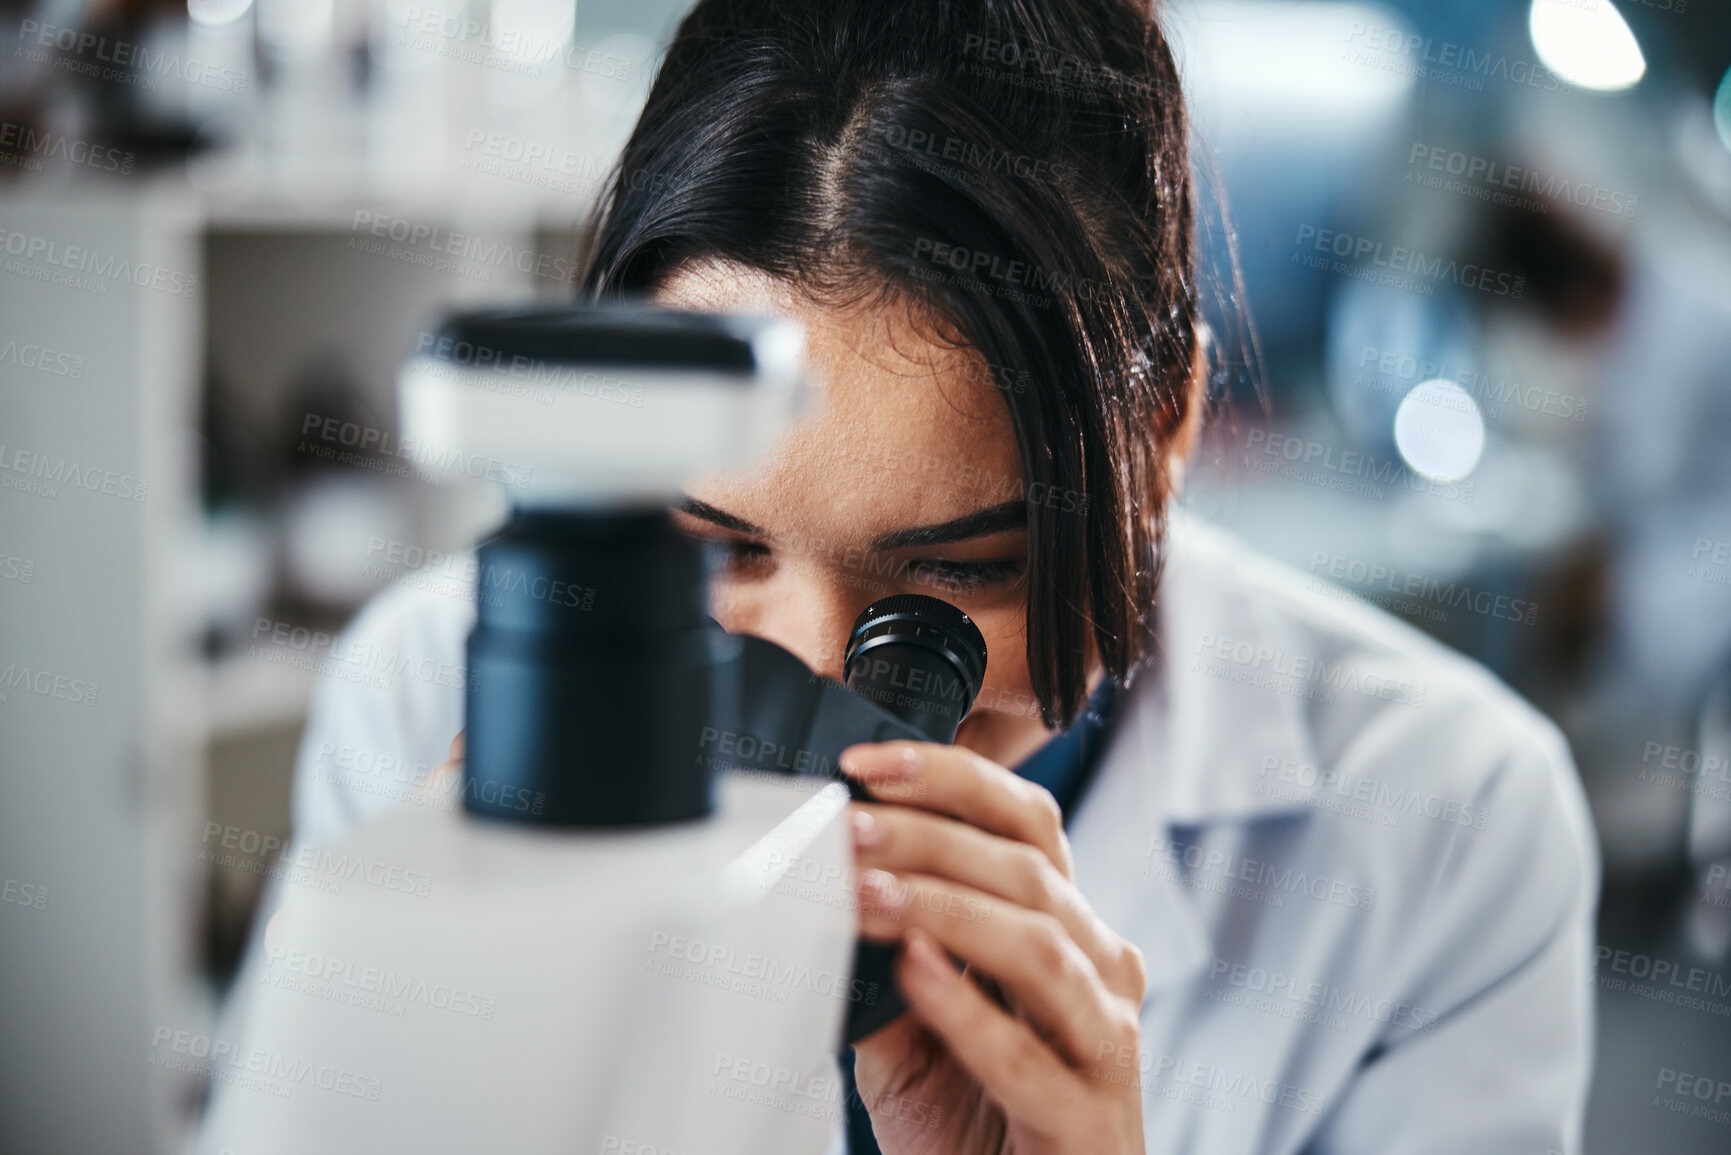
(1330, 887)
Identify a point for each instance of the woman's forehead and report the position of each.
(875, 334)
(907, 429)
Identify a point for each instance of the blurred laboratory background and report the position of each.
(1468, 268)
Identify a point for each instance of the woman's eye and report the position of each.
(969, 577)
(736, 556)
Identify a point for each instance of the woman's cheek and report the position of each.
(1007, 688)
(729, 605)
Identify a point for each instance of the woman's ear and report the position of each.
(1189, 431)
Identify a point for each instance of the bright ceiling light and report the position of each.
(216, 13)
(1439, 430)
(1586, 43)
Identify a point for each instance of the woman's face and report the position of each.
(905, 479)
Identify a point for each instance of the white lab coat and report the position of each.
(1361, 871)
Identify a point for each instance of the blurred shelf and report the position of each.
(245, 695)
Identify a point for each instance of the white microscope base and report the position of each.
(470, 986)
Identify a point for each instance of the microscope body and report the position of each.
(677, 989)
(612, 933)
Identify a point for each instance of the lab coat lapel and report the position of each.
(1225, 720)
(1187, 751)
(1113, 837)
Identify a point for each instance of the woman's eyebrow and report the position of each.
(706, 512)
(992, 519)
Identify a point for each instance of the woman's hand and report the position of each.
(446, 777)
(1017, 1054)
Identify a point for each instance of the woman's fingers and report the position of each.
(446, 777)
(903, 840)
(1001, 1052)
(958, 782)
(1028, 952)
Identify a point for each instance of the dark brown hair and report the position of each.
(1016, 168)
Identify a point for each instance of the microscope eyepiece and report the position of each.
(918, 657)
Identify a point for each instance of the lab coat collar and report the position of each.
(1188, 750)
(1221, 736)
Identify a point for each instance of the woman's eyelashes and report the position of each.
(737, 556)
(969, 578)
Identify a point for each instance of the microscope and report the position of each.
(638, 931)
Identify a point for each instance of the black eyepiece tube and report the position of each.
(919, 658)
(590, 671)
(923, 660)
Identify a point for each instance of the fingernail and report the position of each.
(881, 892)
(929, 962)
(867, 830)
